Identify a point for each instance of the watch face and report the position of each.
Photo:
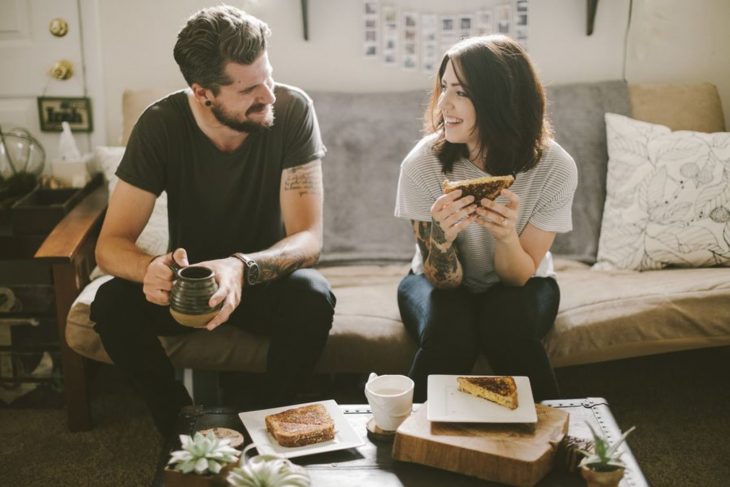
(253, 273)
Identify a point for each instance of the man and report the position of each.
(244, 199)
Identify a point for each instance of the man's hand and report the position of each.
(158, 277)
(229, 276)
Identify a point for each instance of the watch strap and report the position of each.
(248, 263)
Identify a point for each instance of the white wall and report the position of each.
(670, 41)
(677, 41)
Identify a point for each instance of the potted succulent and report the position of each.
(203, 461)
(267, 471)
(602, 467)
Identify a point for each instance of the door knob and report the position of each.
(58, 27)
(62, 70)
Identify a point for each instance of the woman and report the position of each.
(482, 279)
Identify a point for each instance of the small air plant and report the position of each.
(203, 454)
(605, 457)
(267, 471)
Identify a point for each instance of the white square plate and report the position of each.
(345, 435)
(447, 404)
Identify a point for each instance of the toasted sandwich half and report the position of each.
(499, 389)
(487, 187)
(301, 426)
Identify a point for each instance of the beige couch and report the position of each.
(603, 315)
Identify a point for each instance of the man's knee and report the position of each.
(112, 297)
(309, 297)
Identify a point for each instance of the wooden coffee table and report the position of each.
(372, 464)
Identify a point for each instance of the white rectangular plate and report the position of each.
(447, 404)
(345, 435)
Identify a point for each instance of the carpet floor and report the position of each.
(679, 403)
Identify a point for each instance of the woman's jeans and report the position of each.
(505, 323)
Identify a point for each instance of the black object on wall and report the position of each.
(592, 6)
(305, 20)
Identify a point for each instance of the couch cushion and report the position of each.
(694, 107)
(609, 315)
(667, 197)
(577, 111)
(364, 337)
(603, 316)
(367, 136)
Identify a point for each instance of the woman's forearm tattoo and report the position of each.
(438, 256)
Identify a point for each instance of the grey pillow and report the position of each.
(577, 113)
(367, 135)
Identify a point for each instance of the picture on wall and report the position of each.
(410, 40)
(417, 40)
(429, 42)
(372, 28)
(53, 111)
(390, 34)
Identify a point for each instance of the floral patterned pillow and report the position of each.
(667, 198)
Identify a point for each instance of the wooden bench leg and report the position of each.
(75, 381)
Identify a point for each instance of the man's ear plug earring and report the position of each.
(208, 103)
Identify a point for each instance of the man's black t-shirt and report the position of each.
(220, 203)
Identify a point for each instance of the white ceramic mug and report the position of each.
(390, 398)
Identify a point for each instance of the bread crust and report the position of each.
(487, 187)
(301, 426)
(498, 389)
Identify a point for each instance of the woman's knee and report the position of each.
(434, 314)
(524, 313)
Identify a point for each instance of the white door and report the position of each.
(28, 51)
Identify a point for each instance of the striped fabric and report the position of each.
(546, 196)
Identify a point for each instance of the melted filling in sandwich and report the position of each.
(487, 187)
(499, 389)
(301, 426)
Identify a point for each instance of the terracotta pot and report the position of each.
(191, 290)
(609, 478)
(173, 478)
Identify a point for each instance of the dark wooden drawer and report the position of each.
(26, 298)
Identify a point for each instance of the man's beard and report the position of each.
(247, 126)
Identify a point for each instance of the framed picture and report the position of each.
(75, 111)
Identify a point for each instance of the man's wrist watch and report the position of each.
(250, 269)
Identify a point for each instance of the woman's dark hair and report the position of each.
(509, 100)
(214, 37)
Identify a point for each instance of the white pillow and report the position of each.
(667, 197)
(154, 236)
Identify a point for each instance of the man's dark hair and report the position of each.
(509, 100)
(214, 37)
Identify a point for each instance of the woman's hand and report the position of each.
(229, 276)
(157, 281)
(452, 214)
(500, 219)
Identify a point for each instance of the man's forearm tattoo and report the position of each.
(282, 265)
(305, 179)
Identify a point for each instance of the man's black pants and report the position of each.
(506, 323)
(295, 311)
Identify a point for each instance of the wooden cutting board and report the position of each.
(513, 454)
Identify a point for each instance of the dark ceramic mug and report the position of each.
(191, 290)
